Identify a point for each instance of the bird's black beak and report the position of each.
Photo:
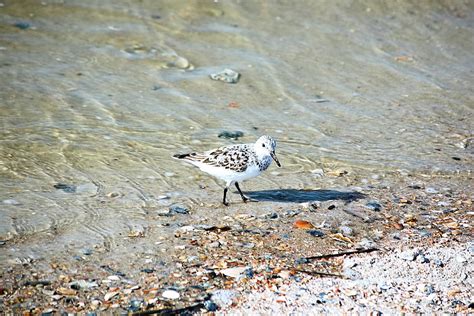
(275, 158)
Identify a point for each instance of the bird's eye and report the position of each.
(263, 145)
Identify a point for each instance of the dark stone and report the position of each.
(272, 215)
(68, 188)
(230, 135)
(471, 305)
(86, 251)
(321, 298)
(75, 286)
(291, 213)
(455, 303)
(315, 233)
(430, 289)
(438, 263)
(22, 25)
(147, 270)
(415, 186)
(396, 236)
(424, 233)
(176, 209)
(422, 259)
(301, 261)
(374, 206)
(135, 305)
(210, 306)
(456, 158)
(331, 207)
(249, 273)
(112, 271)
(37, 282)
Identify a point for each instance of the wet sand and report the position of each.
(370, 105)
(255, 247)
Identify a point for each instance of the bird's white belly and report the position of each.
(229, 175)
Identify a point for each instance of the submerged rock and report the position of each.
(227, 75)
(173, 210)
(231, 134)
(22, 25)
(68, 188)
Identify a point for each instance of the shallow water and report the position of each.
(100, 94)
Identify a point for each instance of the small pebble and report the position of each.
(431, 190)
(291, 213)
(135, 305)
(227, 75)
(408, 255)
(234, 272)
(176, 209)
(396, 236)
(170, 294)
(110, 295)
(424, 233)
(231, 134)
(22, 25)
(366, 243)
(461, 259)
(301, 261)
(86, 251)
(422, 259)
(430, 289)
(301, 224)
(11, 202)
(318, 172)
(210, 306)
(68, 188)
(315, 233)
(374, 206)
(273, 215)
(223, 298)
(438, 263)
(471, 249)
(346, 230)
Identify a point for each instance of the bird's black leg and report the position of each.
(244, 198)
(225, 193)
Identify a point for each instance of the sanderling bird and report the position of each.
(235, 163)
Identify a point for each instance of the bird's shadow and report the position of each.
(301, 196)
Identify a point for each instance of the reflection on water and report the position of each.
(100, 94)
